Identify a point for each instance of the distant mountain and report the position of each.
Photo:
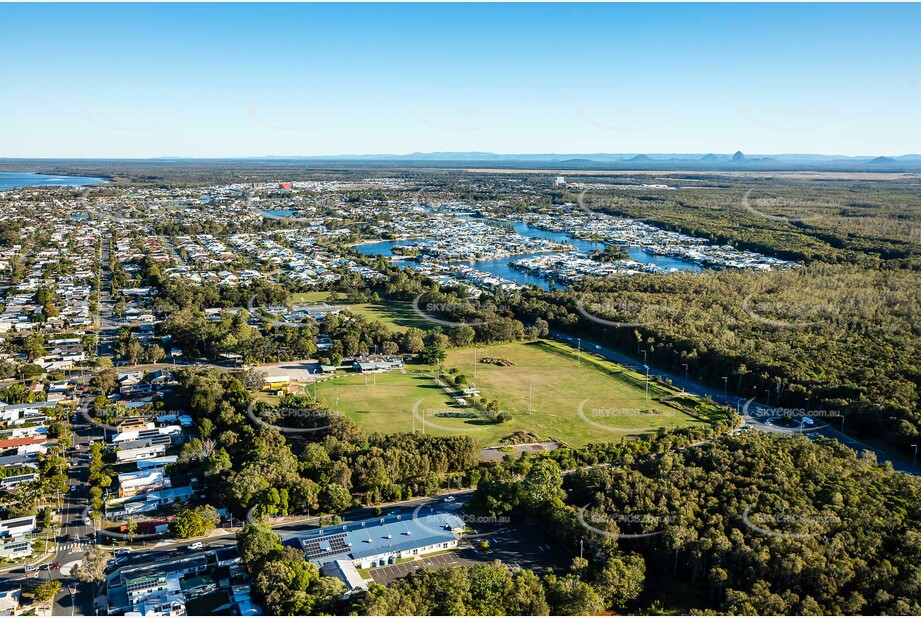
(628, 161)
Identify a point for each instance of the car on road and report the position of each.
(449, 499)
(121, 551)
(31, 568)
(196, 545)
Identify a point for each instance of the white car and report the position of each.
(449, 499)
(196, 545)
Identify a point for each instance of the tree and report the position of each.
(199, 521)
(335, 498)
(133, 351)
(258, 545)
(254, 379)
(543, 483)
(131, 529)
(432, 355)
(105, 380)
(543, 328)
(569, 595)
(155, 353)
(92, 569)
(46, 591)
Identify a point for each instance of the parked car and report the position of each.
(121, 551)
(449, 499)
(196, 545)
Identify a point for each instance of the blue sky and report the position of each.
(136, 80)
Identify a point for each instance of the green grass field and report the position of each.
(576, 401)
(396, 316)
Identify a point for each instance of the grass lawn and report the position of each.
(575, 401)
(391, 402)
(395, 316)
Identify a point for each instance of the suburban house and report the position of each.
(16, 537)
(143, 481)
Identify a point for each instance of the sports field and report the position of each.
(546, 390)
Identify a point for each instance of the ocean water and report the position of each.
(17, 180)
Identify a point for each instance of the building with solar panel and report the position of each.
(384, 540)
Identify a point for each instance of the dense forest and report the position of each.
(752, 524)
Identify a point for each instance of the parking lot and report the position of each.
(386, 574)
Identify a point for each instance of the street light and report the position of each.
(579, 351)
(685, 365)
(647, 381)
(725, 385)
(914, 463)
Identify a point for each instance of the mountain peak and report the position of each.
(738, 157)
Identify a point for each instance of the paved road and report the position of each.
(759, 416)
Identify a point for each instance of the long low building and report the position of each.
(380, 541)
